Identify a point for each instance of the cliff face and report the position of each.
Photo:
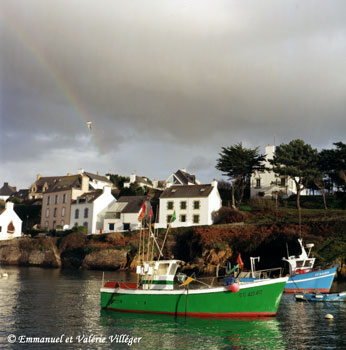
(72, 251)
(204, 249)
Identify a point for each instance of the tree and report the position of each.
(336, 165)
(298, 161)
(239, 163)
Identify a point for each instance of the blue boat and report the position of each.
(302, 275)
(320, 297)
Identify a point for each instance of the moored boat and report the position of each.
(320, 297)
(159, 293)
(302, 275)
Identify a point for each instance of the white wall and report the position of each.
(208, 205)
(6, 217)
(269, 182)
(97, 211)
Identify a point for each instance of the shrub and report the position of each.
(226, 215)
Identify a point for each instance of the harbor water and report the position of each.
(60, 309)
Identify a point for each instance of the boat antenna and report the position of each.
(287, 250)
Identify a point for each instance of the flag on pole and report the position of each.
(142, 212)
(240, 262)
(173, 217)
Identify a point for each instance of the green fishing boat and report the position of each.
(160, 293)
(160, 288)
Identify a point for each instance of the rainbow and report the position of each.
(58, 79)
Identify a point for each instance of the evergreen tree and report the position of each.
(239, 163)
(298, 161)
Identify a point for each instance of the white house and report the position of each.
(267, 184)
(10, 223)
(141, 181)
(90, 208)
(96, 181)
(123, 215)
(193, 205)
(180, 177)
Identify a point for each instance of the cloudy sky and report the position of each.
(166, 83)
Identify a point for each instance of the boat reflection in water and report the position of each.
(169, 332)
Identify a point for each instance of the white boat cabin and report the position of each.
(157, 275)
(302, 263)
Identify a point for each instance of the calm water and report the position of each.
(64, 304)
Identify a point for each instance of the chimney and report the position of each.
(38, 176)
(132, 178)
(85, 184)
(214, 183)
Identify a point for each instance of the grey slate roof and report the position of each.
(185, 177)
(7, 190)
(50, 180)
(64, 183)
(187, 191)
(134, 203)
(88, 197)
(97, 177)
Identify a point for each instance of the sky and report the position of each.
(166, 83)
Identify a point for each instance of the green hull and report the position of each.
(253, 299)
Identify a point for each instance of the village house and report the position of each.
(141, 181)
(180, 177)
(56, 201)
(96, 181)
(268, 184)
(192, 205)
(123, 215)
(10, 223)
(89, 209)
(6, 190)
(41, 185)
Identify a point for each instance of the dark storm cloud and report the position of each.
(194, 74)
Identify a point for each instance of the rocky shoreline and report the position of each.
(204, 250)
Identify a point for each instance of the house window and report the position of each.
(62, 223)
(169, 218)
(85, 224)
(283, 182)
(170, 205)
(126, 226)
(0, 228)
(86, 212)
(182, 218)
(46, 224)
(196, 219)
(56, 199)
(55, 212)
(76, 214)
(47, 212)
(196, 205)
(183, 205)
(63, 211)
(111, 227)
(258, 183)
(48, 200)
(76, 224)
(54, 225)
(64, 198)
